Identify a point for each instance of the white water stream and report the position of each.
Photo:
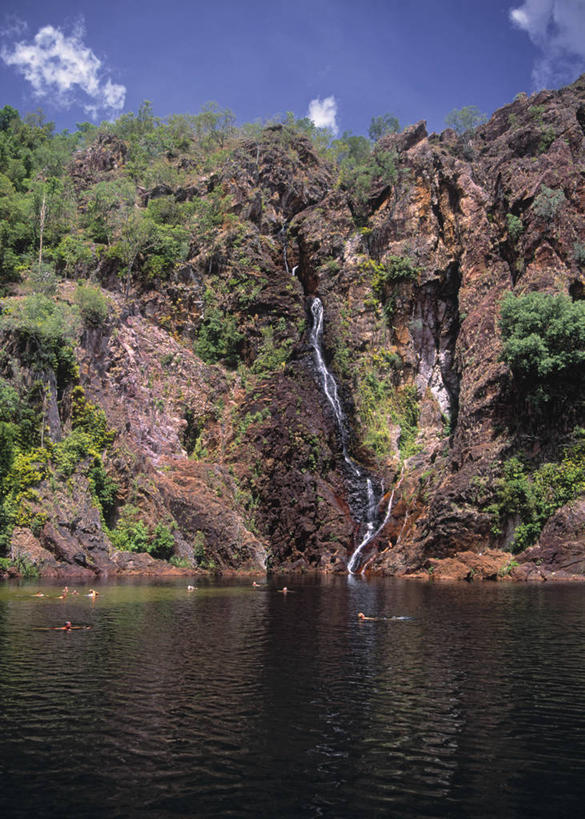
(330, 389)
(284, 248)
(355, 560)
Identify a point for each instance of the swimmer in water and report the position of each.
(362, 616)
(67, 627)
(284, 590)
(92, 593)
(191, 588)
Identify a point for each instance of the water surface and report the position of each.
(236, 701)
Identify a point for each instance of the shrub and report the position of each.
(131, 534)
(360, 169)
(534, 497)
(86, 416)
(92, 304)
(579, 252)
(515, 226)
(199, 550)
(271, 356)
(43, 329)
(180, 562)
(386, 275)
(104, 488)
(219, 339)
(379, 403)
(71, 450)
(42, 280)
(162, 543)
(73, 254)
(546, 205)
(25, 568)
(544, 346)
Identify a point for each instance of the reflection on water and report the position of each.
(238, 701)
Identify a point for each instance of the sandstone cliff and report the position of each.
(220, 428)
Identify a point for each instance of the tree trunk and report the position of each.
(42, 217)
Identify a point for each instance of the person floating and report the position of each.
(191, 588)
(67, 627)
(362, 616)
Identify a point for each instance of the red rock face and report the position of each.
(247, 452)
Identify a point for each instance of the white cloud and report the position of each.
(61, 67)
(557, 28)
(13, 26)
(322, 113)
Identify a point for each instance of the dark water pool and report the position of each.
(235, 701)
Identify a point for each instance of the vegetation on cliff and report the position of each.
(158, 397)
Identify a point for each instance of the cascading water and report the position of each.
(327, 380)
(365, 487)
(356, 559)
(282, 233)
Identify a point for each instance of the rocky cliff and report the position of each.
(220, 431)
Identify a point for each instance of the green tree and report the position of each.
(52, 210)
(8, 115)
(73, 255)
(360, 169)
(137, 236)
(107, 206)
(214, 124)
(466, 119)
(16, 232)
(544, 346)
(382, 125)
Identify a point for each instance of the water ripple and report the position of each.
(239, 703)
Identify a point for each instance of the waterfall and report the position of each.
(282, 233)
(328, 382)
(355, 560)
(369, 514)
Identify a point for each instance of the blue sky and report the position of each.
(354, 60)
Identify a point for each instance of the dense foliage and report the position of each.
(113, 205)
(91, 220)
(531, 496)
(544, 346)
